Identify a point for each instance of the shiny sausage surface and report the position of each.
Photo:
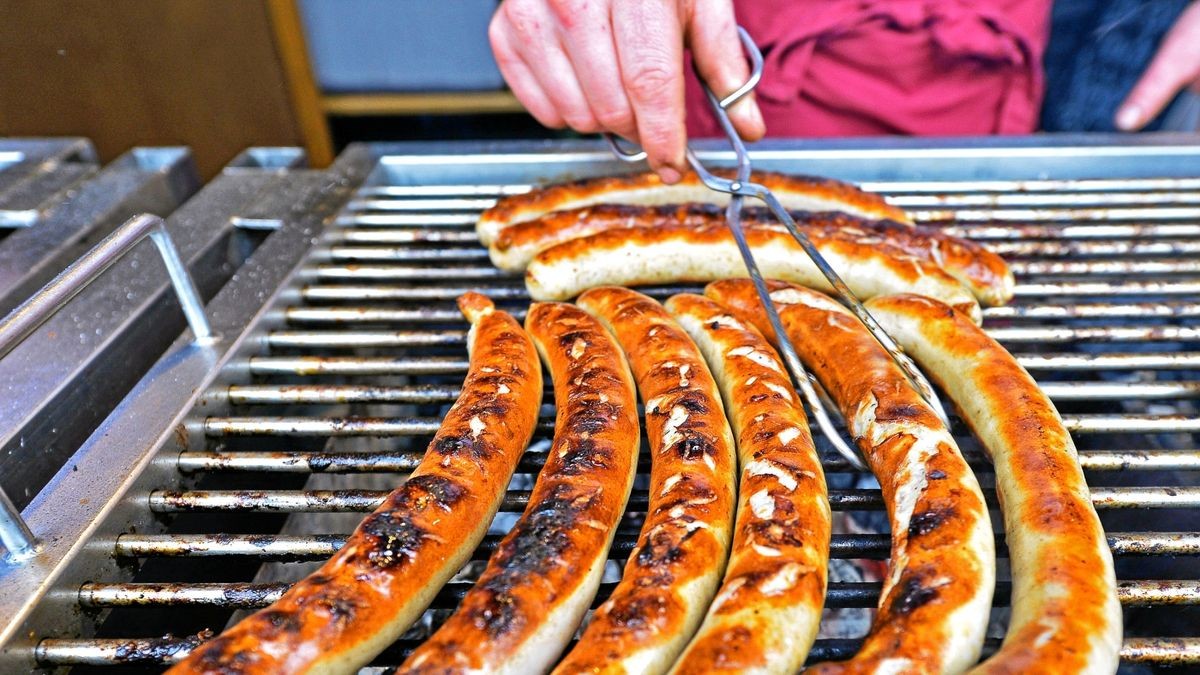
(983, 272)
(678, 253)
(674, 570)
(1066, 617)
(936, 599)
(544, 574)
(766, 614)
(804, 193)
(338, 618)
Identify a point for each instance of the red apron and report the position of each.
(871, 67)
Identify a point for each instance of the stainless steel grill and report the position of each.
(343, 329)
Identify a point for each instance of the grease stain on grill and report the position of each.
(159, 650)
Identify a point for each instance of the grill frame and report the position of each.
(160, 414)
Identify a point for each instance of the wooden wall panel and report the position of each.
(201, 73)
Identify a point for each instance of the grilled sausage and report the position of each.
(544, 574)
(765, 615)
(804, 193)
(936, 598)
(369, 592)
(1065, 614)
(984, 272)
(674, 253)
(674, 570)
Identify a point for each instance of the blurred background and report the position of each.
(222, 75)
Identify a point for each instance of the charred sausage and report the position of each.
(765, 615)
(804, 193)
(544, 574)
(1066, 617)
(936, 599)
(983, 272)
(369, 592)
(675, 253)
(674, 570)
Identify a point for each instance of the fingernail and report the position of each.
(1129, 117)
(669, 176)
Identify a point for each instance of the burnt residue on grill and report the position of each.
(159, 650)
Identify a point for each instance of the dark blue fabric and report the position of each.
(1097, 51)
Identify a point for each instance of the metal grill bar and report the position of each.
(314, 426)
(348, 393)
(353, 501)
(891, 187)
(405, 293)
(423, 426)
(321, 546)
(355, 365)
(100, 652)
(1014, 199)
(422, 293)
(255, 596)
(290, 394)
(354, 462)
(310, 365)
(1069, 249)
(352, 339)
(1057, 215)
(394, 236)
(1006, 200)
(360, 273)
(1140, 311)
(319, 339)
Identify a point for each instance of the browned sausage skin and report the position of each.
(1066, 617)
(355, 605)
(983, 272)
(935, 602)
(543, 576)
(765, 616)
(805, 193)
(676, 253)
(674, 570)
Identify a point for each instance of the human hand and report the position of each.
(1176, 65)
(617, 66)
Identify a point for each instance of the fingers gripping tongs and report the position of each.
(741, 187)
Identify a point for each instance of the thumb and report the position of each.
(1175, 66)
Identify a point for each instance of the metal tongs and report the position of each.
(741, 187)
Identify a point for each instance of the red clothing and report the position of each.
(871, 67)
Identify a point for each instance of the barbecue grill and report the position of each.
(339, 347)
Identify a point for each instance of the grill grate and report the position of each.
(370, 345)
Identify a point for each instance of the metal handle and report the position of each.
(18, 325)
